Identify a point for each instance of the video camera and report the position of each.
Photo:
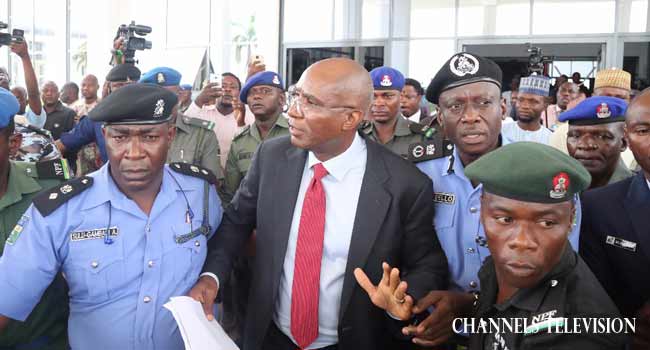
(536, 60)
(16, 36)
(133, 39)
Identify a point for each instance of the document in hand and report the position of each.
(198, 333)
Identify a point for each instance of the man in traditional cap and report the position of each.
(467, 90)
(45, 328)
(195, 143)
(609, 82)
(527, 211)
(596, 139)
(614, 239)
(530, 104)
(387, 125)
(127, 237)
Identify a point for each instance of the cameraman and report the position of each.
(35, 113)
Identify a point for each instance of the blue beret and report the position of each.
(387, 78)
(135, 104)
(8, 107)
(163, 76)
(596, 110)
(186, 87)
(463, 68)
(261, 78)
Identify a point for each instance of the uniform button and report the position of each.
(471, 250)
(150, 263)
(146, 299)
(148, 228)
(94, 264)
(197, 243)
(473, 210)
(473, 284)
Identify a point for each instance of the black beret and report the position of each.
(463, 68)
(136, 104)
(124, 72)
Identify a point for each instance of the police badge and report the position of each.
(463, 64)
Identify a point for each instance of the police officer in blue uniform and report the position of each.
(127, 237)
(467, 90)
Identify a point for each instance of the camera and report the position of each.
(536, 60)
(133, 35)
(16, 36)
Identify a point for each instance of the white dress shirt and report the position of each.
(342, 187)
(415, 117)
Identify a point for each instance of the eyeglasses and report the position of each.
(458, 109)
(305, 103)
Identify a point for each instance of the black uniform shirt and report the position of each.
(569, 291)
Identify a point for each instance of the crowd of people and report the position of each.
(352, 210)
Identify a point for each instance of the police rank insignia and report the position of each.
(560, 186)
(603, 111)
(463, 64)
(621, 243)
(160, 108)
(97, 233)
(18, 229)
(160, 78)
(386, 81)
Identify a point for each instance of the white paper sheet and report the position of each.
(198, 333)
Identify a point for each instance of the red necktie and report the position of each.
(309, 252)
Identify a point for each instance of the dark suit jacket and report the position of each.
(619, 211)
(393, 223)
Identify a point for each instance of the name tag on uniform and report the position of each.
(97, 233)
(444, 198)
(621, 243)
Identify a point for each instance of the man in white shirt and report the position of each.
(325, 201)
(220, 104)
(530, 104)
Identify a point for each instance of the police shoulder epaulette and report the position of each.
(47, 169)
(430, 149)
(201, 123)
(422, 129)
(244, 131)
(194, 170)
(46, 202)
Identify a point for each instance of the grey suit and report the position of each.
(393, 223)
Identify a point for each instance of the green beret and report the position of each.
(530, 172)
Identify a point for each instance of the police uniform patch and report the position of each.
(18, 229)
(621, 243)
(560, 186)
(603, 111)
(159, 109)
(97, 233)
(444, 198)
(463, 64)
(427, 150)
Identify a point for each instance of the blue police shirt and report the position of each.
(457, 221)
(84, 133)
(117, 290)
